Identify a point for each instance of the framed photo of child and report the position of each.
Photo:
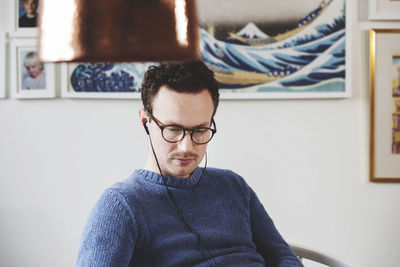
(25, 18)
(30, 78)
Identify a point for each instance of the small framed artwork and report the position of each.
(385, 105)
(30, 78)
(274, 49)
(2, 66)
(384, 9)
(25, 18)
(118, 81)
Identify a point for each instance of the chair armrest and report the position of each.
(318, 256)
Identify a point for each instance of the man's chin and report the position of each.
(182, 172)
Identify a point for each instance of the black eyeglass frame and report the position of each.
(163, 126)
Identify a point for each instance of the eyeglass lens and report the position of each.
(176, 133)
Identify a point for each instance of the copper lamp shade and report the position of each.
(117, 30)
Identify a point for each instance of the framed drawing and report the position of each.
(276, 49)
(25, 14)
(263, 49)
(30, 78)
(82, 80)
(385, 105)
(384, 9)
(2, 66)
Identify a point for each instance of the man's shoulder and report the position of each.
(219, 171)
(125, 183)
(123, 192)
(224, 175)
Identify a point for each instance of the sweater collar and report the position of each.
(156, 178)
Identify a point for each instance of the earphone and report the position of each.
(173, 199)
(146, 128)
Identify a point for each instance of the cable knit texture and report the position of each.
(134, 223)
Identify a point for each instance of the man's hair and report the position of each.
(31, 59)
(183, 77)
(35, 1)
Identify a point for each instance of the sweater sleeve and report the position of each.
(109, 235)
(270, 244)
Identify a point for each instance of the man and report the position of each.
(172, 212)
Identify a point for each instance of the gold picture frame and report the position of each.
(384, 105)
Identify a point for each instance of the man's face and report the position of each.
(30, 7)
(189, 111)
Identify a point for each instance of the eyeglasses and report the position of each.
(175, 133)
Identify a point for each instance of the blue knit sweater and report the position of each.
(135, 223)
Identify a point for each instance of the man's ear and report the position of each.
(143, 119)
(142, 115)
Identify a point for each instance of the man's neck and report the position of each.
(31, 15)
(151, 165)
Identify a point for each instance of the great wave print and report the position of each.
(310, 57)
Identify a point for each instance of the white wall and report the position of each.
(306, 159)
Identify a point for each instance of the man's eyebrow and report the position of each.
(202, 125)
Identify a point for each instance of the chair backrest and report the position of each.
(318, 256)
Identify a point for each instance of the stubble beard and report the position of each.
(181, 170)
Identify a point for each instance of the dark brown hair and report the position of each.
(35, 1)
(183, 77)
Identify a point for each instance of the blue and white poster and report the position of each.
(281, 50)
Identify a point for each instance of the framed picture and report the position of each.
(30, 78)
(83, 80)
(277, 49)
(2, 66)
(384, 9)
(25, 14)
(385, 105)
(263, 49)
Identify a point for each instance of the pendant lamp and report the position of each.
(117, 30)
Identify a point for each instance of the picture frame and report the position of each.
(21, 24)
(29, 77)
(384, 105)
(307, 58)
(257, 49)
(2, 65)
(84, 80)
(384, 10)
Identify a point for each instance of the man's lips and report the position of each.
(184, 161)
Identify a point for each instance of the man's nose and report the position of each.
(186, 144)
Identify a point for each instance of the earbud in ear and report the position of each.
(145, 127)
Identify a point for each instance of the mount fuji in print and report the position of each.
(307, 58)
